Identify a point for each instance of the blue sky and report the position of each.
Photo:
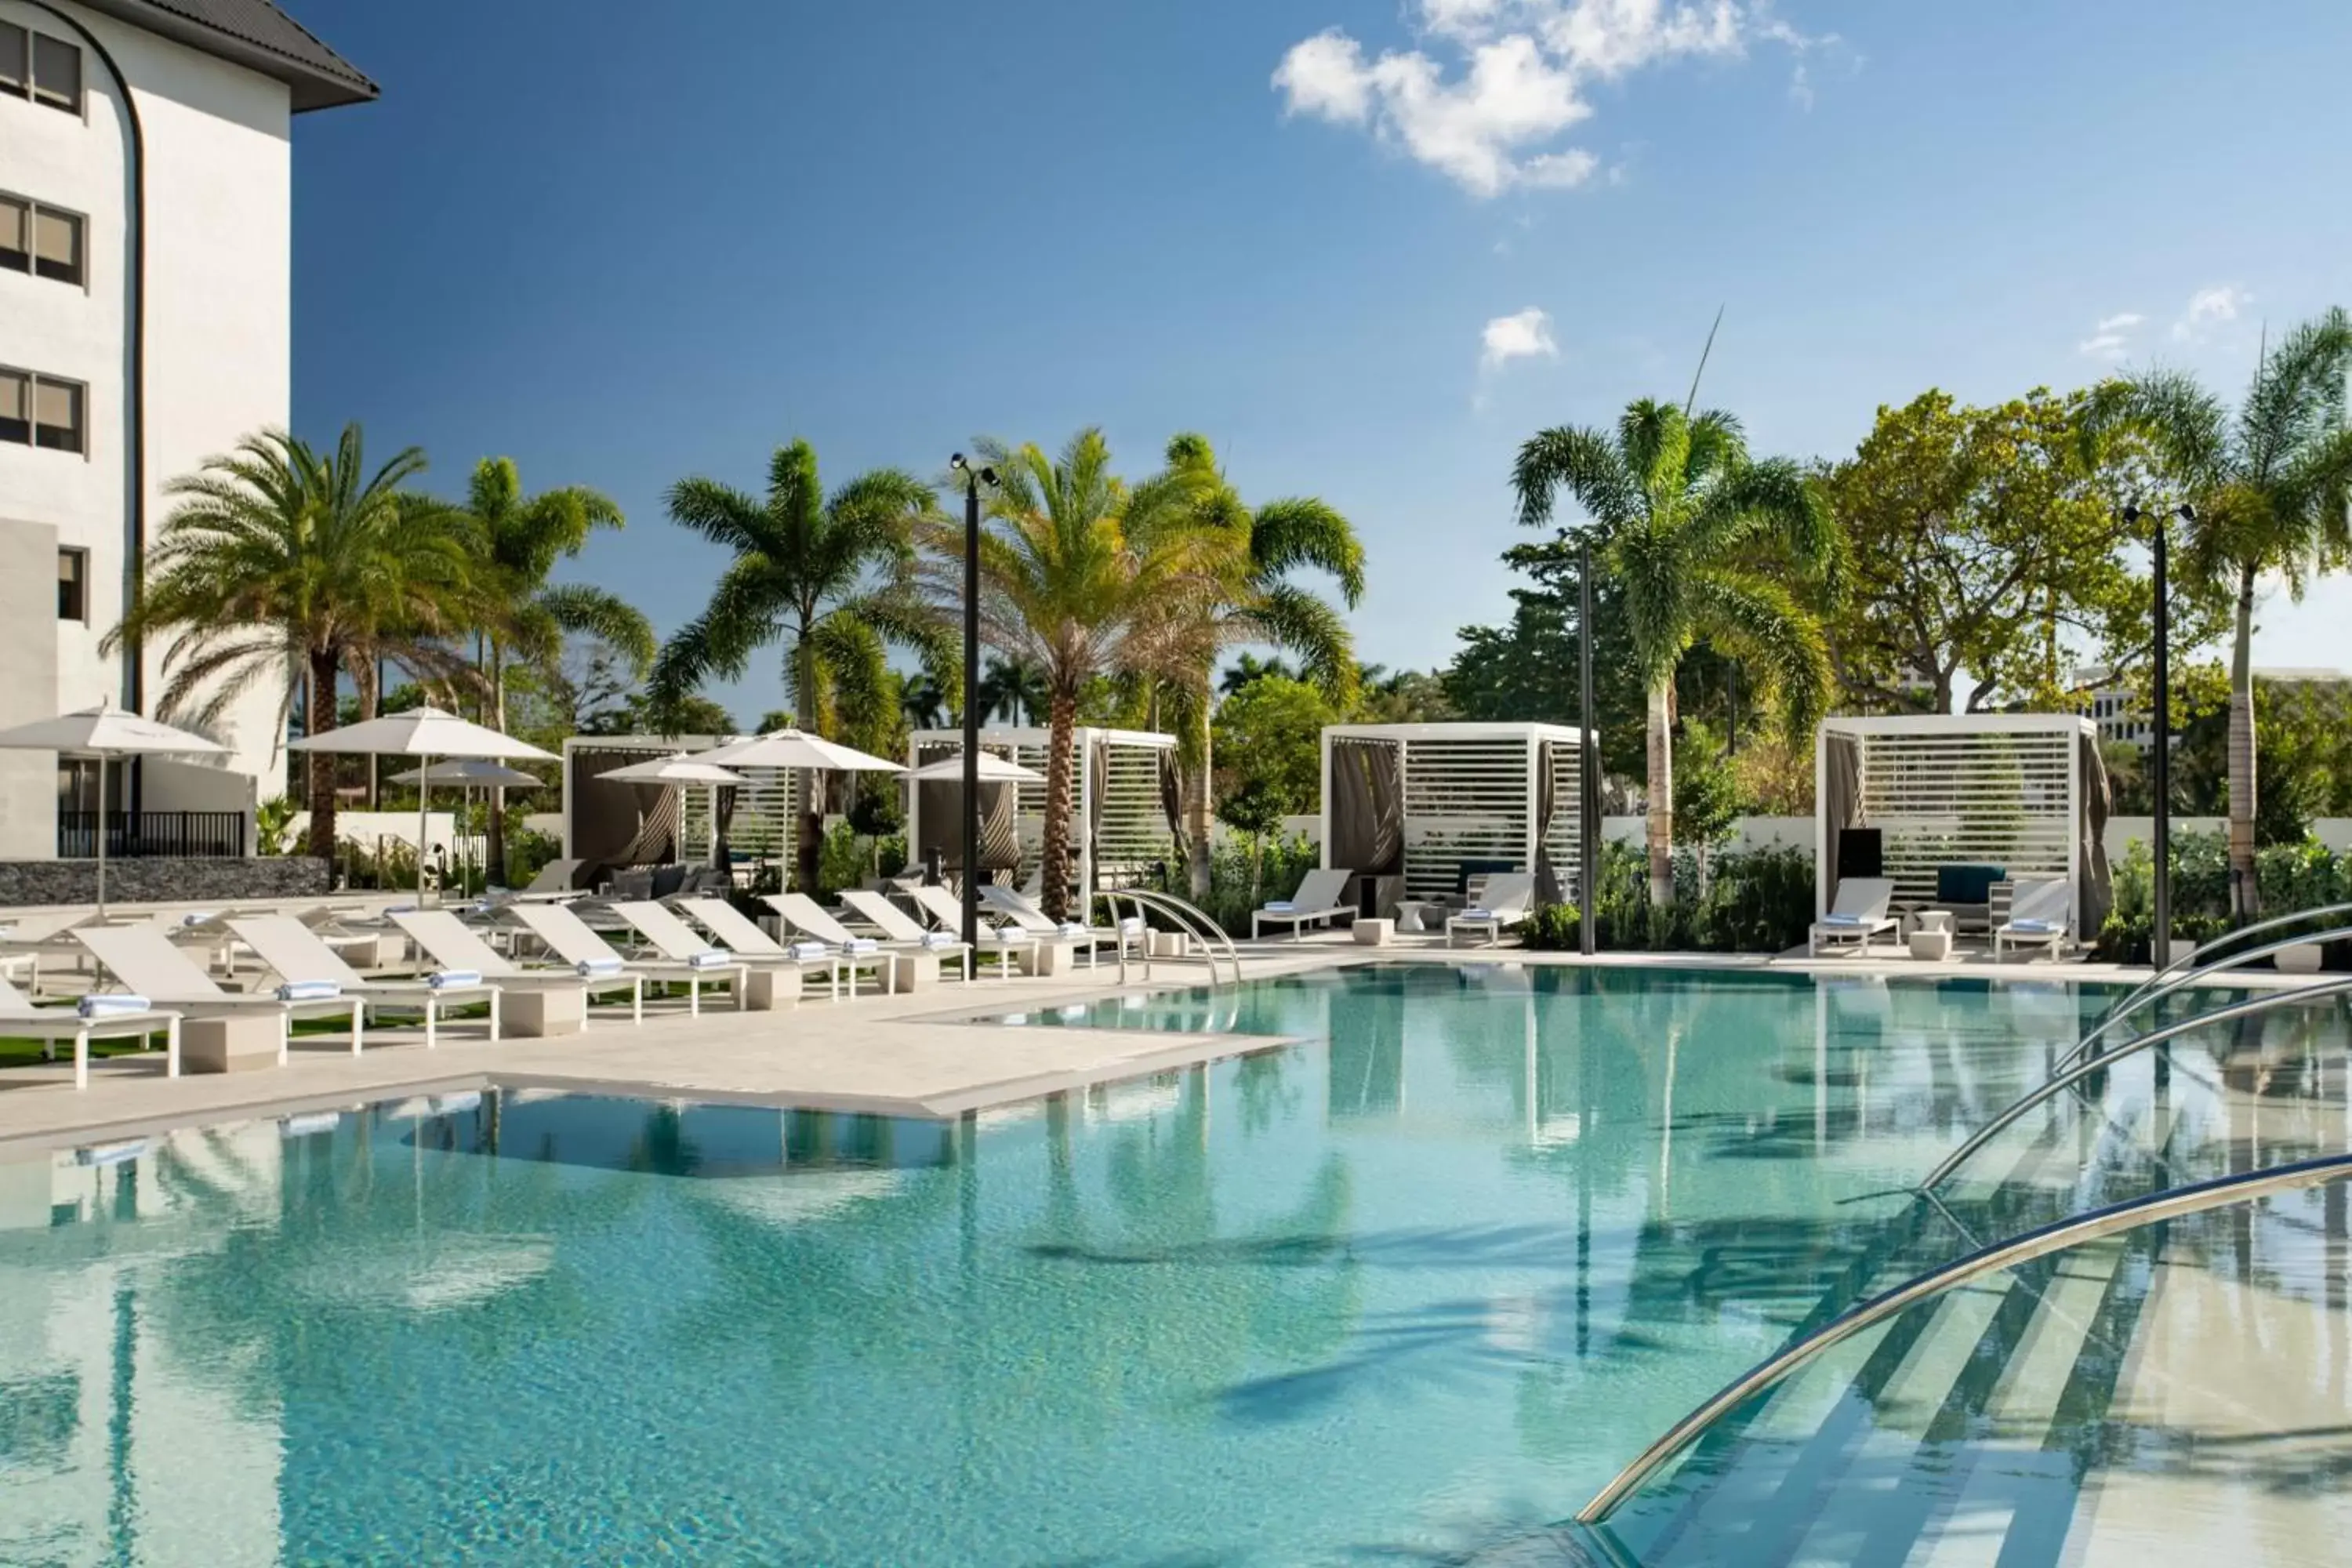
(624, 246)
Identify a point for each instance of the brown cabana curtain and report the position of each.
(1548, 889)
(942, 823)
(655, 843)
(1367, 808)
(1841, 788)
(722, 818)
(2094, 887)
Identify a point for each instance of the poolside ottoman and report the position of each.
(1374, 933)
(768, 986)
(909, 970)
(230, 1043)
(532, 1012)
(1049, 958)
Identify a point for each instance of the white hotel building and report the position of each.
(145, 325)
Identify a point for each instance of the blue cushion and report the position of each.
(1966, 884)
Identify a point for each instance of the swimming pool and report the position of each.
(1390, 1298)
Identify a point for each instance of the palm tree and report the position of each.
(1692, 530)
(1082, 574)
(521, 537)
(1259, 604)
(2267, 489)
(1250, 667)
(828, 577)
(281, 557)
(1012, 691)
(923, 701)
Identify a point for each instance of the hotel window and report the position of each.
(44, 240)
(35, 66)
(73, 586)
(42, 411)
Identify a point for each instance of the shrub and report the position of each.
(1553, 928)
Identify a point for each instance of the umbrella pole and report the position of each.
(102, 835)
(423, 794)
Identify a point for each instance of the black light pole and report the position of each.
(1588, 770)
(972, 479)
(2161, 738)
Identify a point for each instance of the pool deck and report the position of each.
(930, 1053)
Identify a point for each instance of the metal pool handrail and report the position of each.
(1190, 918)
(2218, 1193)
(2144, 996)
(2067, 1078)
(2131, 998)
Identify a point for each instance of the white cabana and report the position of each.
(643, 821)
(1902, 795)
(1125, 795)
(1430, 804)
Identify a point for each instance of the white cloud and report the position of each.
(2210, 308)
(1490, 118)
(2111, 338)
(1526, 334)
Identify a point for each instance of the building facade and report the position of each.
(145, 325)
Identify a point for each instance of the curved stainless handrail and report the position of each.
(2132, 997)
(1195, 920)
(2056, 1236)
(2143, 998)
(2066, 1078)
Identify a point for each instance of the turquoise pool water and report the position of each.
(1381, 1299)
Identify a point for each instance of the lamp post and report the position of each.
(972, 479)
(1588, 770)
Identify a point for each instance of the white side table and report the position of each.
(1931, 944)
(1374, 933)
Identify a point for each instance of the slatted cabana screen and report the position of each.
(1464, 799)
(1133, 833)
(762, 826)
(1995, 798)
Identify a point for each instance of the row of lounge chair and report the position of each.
(1503, 901)
(2036, 920)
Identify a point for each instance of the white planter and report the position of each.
(2181, 947)
(2304, 960)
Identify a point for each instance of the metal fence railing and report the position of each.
(195, 834)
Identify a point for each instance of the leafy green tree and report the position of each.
(1083, 575)
(1269, 745)
(1987, 541)
(1261, 602)
(830, 577)
(1249, 668)
(1706, 797)
(2268, 486)
(277, 554)
(1403, 697)
(521, 538)
(1702, 541)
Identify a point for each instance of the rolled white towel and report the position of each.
(862, 945)
(1280, 907)
(936, 939)
(453, 979)
(1131, 926)
(1834, 919)
(1073, 931)
(596, 968)
(809, 952)
(111, 1005)
(716, 958)
(309, 991)
(199, 917)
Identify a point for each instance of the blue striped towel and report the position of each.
(111, 1006)
(596, 968)
(309, 991)
(2036, 928)
(453, 979)
(1476, 914)
(716, 958)
(1834, 919)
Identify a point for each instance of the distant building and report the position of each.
(2117, 711)
(146, 194)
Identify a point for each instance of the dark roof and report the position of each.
(256, 34)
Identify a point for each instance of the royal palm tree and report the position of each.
(522, 616)
(923, 701)
(1011, 691)
(281, 557)
(1261, 602)
(1696, 532)
(2267, 487)
(829, 577)
(1081, 575)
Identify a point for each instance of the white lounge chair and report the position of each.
(2037, 913)
(1316, 902)
(1022, 912)
(901, 929)
(144, 959)
(945, 910)
(677, 942)
(568, 937)
(1502, 903)
(742, 937)
(49, 1024)
(805, 915)
(1857, 914)
(552, 885)
(295, 953)
(454, 945)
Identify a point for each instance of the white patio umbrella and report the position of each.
(472, 774)
(993, 769)
(803, 752)
(108, 733)
(426, 732)
(682, 768)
